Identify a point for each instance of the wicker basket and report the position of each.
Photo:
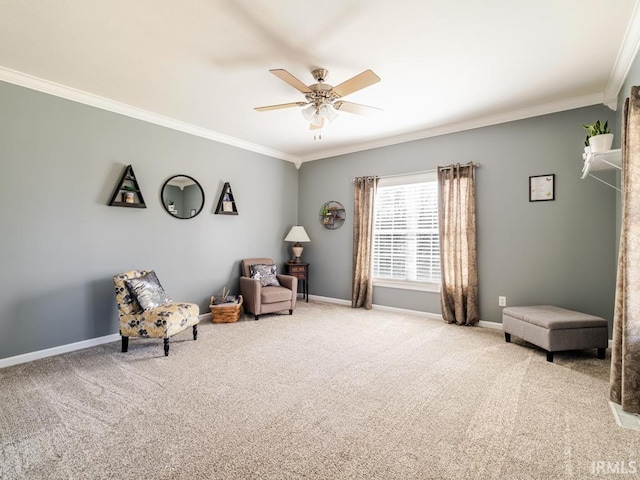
(226, 312)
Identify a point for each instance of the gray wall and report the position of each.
(560, 252)
(61, 243)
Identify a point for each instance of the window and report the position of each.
(406, 243)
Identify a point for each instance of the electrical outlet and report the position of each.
(502, 301)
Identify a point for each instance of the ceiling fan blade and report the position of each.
(356, 108)
(356, 83)
(317, 127)
(277, 107)
(291, 80)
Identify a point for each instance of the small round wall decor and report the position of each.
(332, 215)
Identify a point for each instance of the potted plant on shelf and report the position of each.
(599, 138)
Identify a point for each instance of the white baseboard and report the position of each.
(435, 316)
(337, 301)
(625, 419)
(384, 308)
(70, 347)
(492, 325)
(50, 352)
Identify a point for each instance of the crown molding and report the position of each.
(45, 86)
(624, 60)
(487, 121)
(75, 95)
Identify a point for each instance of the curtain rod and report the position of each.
(477, 165)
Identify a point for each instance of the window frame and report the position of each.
(395, 180)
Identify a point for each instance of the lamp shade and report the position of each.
(297, 234)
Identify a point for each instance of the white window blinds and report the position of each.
(406, 244)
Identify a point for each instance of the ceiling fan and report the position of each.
(322, 99)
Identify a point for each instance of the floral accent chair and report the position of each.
(149, 312)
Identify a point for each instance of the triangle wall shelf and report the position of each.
(127, 192)
(226, 203)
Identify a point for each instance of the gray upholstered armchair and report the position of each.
(260, 297)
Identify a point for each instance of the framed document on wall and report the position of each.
(542, 188)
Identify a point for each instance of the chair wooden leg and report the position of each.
(290, 312)
(602, 353)
(166, 347)
(549, 356)
(507, 337)
(125, 343)
(195, 332)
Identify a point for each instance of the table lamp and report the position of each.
(297, 234)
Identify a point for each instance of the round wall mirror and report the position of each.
(182, 196)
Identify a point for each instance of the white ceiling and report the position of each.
(202, 65)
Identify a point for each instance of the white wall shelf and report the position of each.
(609, 160)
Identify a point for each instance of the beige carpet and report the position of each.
(328, 393)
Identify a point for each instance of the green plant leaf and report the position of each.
(596, 128)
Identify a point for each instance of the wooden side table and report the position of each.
(301, 272)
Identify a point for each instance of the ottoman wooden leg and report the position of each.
(549, 356)
(601, 353)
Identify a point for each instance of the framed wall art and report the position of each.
(542, 188)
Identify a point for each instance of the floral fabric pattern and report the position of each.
(160, 322)
(265, 273)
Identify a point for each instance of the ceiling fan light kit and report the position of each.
(309, 112)
(327, 111)
(321, 97)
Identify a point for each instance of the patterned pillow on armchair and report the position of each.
(147, 291)
(265, 273)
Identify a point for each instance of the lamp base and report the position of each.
(297, 252)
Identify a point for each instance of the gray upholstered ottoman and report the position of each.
(555, 329)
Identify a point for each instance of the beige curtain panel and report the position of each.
(364, 193)
(625, 355)
(458, 256)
